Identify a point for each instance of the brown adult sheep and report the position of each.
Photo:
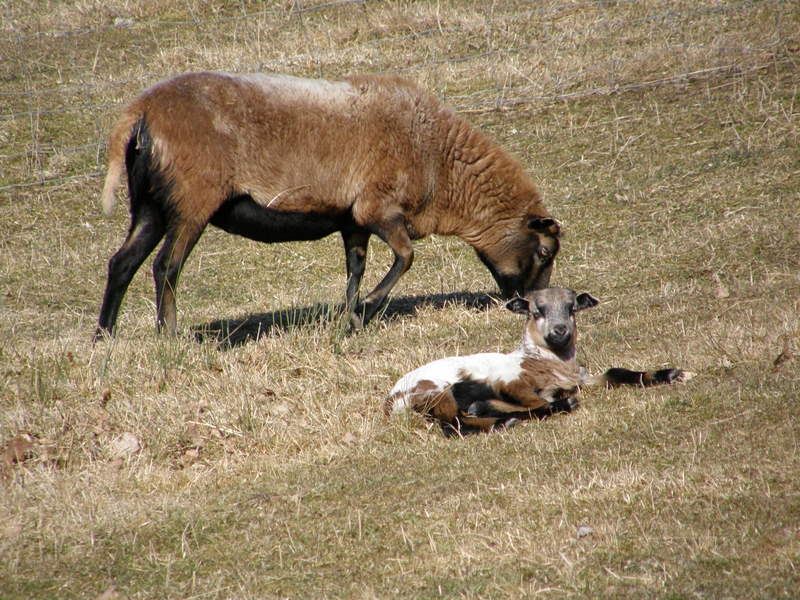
(276, 158)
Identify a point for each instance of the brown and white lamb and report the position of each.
(484, 392)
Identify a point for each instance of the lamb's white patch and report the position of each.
(489, 367)
(399, 404)
(529, 349)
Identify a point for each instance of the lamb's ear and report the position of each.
(584, 301)
(521, 306)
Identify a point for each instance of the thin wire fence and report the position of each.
(65, 74)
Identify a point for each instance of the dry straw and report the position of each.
(248, 457)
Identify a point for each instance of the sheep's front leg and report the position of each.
(393, 232)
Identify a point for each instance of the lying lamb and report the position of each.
(486, 392)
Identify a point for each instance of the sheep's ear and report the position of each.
(541, 225)
(520, 306)
(584, 301)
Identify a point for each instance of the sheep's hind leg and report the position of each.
(147, 229)
(441, 405)
(167, 268)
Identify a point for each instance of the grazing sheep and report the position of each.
(276, 158)
(483, 392)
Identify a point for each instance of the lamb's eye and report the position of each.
(544, 252)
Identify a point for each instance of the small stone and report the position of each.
(125, 445)
(584, 530)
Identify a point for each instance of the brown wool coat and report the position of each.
(367, 155)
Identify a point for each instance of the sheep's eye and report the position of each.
(544, 252)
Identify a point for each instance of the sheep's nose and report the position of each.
(560, 330)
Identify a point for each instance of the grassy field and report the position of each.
(249, 458)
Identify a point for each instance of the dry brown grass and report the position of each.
(264, 466)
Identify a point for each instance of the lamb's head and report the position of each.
(551, 320)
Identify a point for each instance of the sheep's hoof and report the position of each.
(102, 335)
(356, 324)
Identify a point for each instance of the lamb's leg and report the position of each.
(519, 393)
(615, 377)
(509, 410)
(467, 425)
(441, 405)
(493, 408)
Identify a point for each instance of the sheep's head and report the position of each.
(524, 260)
(551, 318)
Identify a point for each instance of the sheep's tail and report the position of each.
(616, 377)
(117, 143)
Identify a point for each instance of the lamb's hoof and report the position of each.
(672, 376)
(451, 429)
(684, 376)
(477, 409)
(567, 405)
(503, 425)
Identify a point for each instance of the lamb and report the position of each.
(276, 158)
(486, 392)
